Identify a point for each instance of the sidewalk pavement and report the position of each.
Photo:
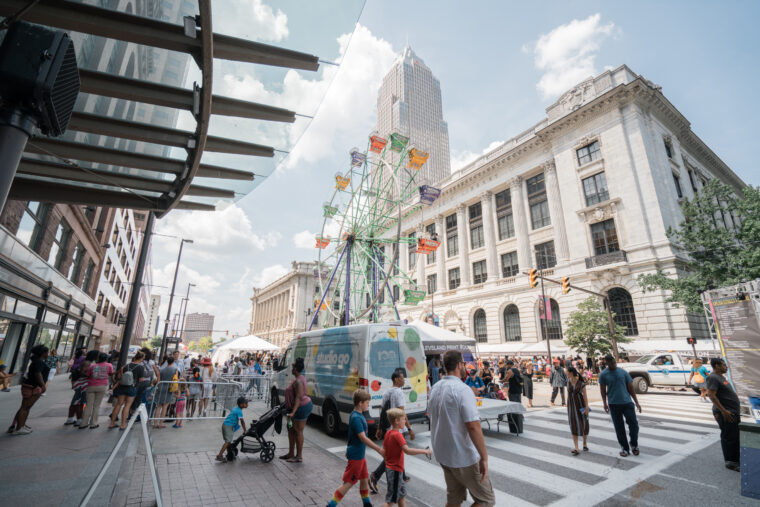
(56, 464)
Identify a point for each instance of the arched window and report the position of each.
(621, 305)
(553, 326)
(479, 321)
(512, 331)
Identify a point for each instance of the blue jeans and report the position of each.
(627, 411)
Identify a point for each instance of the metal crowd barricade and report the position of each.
(213, 400)
(255, 387)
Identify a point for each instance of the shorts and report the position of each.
(80, 397)
(193, 396)
(129, 392)
(461, 480)
(396, 486)
(303, 412)
(228, 433)
(356, 470)
(700, 385)
(30, 391)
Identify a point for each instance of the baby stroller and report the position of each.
(253, 440)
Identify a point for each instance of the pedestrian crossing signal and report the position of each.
(691, 341)
(533, 279)
(565, 284)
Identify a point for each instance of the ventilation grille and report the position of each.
(64, 92)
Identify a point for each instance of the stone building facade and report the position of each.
(588, 193)
(285, 307)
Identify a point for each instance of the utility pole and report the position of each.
(607, 305)
(171, 299)
(543, 321)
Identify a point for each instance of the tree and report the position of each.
(154, 343)
(720, 238)
(205, 344)
(587, 329)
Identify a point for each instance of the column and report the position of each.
(440, 256)
(524, 257)
(421, 282)
(555, 205)
(487, 200)
(464, 246)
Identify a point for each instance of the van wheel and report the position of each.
(640, 385)
(274, 399)
(332, 419)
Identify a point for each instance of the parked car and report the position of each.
(340, 360)
(664, 369)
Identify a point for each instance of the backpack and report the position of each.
(384, 422)
(127, 377)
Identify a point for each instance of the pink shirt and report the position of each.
(98, 374)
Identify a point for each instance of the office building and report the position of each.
(197, 325)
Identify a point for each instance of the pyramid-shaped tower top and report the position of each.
(409, 56)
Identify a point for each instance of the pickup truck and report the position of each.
(666, 369)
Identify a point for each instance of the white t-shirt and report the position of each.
(451, 404)
(396, 395)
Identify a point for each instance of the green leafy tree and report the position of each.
(204, 344)
(154, 342)
(193, 347)
(720, 235)
(587, 329)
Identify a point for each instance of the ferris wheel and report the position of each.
(358, 247)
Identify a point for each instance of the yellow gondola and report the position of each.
(341, 182)
(417, 158)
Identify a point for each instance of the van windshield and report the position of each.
(644, 359)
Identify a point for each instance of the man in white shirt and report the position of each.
(396, 397)
(457, 438)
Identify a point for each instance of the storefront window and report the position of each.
(65, 344)
(52, 318)
(25, 309)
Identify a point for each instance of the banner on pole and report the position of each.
(545, 307)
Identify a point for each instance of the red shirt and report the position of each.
(393, 444)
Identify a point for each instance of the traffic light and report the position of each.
(691, 341)
(565, 284)
(533, 279)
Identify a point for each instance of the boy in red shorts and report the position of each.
(395, 447)
(356, 469)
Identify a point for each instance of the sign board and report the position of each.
(738, 329)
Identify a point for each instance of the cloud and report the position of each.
(226, 231)
(460, 159)
(347, 111)
(268, 275)
(566, 54)
(253, 20)
(304, 239)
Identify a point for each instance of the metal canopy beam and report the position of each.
(84, 18)
(99, 154)
(105, 125)
(120, 87)
(26, 189)
(56, 170)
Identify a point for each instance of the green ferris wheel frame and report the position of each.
(361, 234)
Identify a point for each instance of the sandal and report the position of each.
(295, 460)
(574, 452)
(585, 448)
(112, 426)
(286, 456)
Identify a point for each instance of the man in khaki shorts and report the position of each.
(457, 437)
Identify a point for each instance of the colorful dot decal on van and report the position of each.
(412, 339)
(314, 350)
(301, 347)
(375, 385)
(413, 396)
(392, 333)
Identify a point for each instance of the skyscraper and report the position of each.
(409, 102)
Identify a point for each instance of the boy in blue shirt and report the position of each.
(230, 426)
(356, 469)
(475, 382)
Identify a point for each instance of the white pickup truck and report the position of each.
(666, 369)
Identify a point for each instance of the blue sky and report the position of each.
(499, 63)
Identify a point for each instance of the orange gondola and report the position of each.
(417, 158)
(322, 242)
(377, 143)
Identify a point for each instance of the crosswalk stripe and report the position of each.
(607, 433)
(566, 442)
(694, 426)
(643, 430)
(550, 482)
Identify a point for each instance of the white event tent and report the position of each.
(250, 343)
(437, 340)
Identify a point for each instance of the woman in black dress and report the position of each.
(577, 408)
(527, 375)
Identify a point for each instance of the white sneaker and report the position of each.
(22, 431)
(79, 421)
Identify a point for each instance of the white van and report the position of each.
(340, 360)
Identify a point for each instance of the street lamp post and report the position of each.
(171, 298)
(184, 311)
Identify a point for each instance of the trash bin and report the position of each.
(749, 438)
